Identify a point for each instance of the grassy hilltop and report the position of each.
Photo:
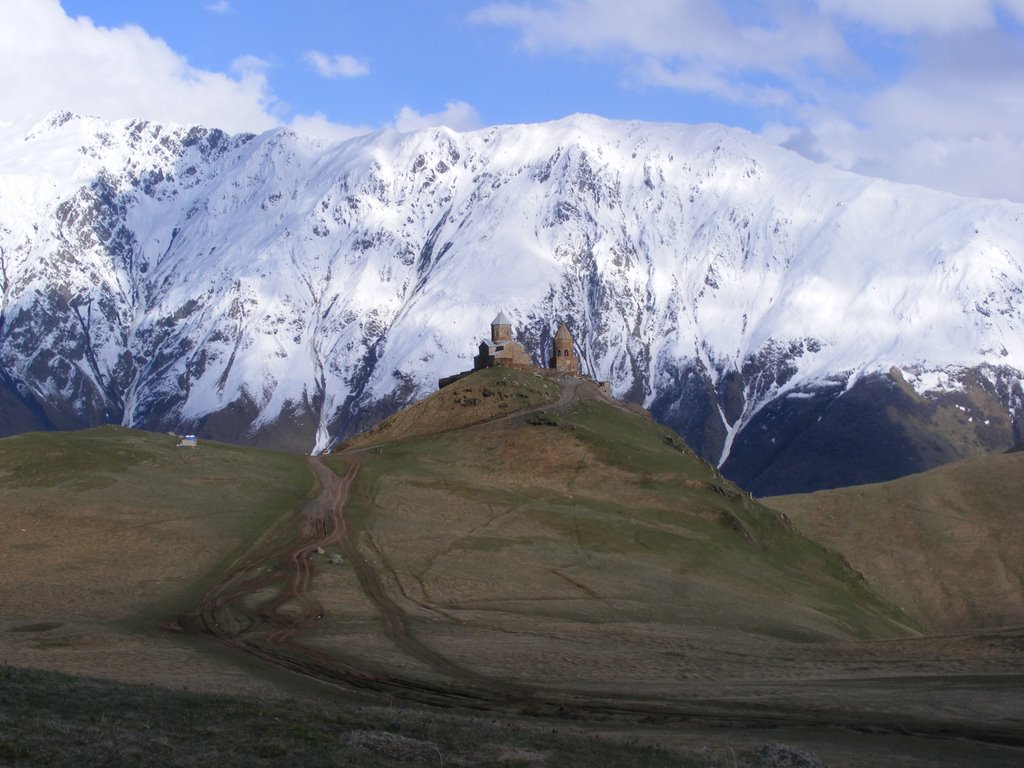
(585, 521)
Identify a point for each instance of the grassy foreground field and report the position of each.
(518, 571)
(107, 534)
(574, 562)
(48, 719)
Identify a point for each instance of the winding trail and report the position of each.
(394, 620)
(263, 606)
(237, 612)
(265, 603)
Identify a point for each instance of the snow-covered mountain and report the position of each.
(283, 291)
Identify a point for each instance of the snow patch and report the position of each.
(205, 267)
(925, 382)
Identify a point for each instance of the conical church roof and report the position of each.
(563, 333)
(501, 319)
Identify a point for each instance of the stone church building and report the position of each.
(503, 350)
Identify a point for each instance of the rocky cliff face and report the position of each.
(800, 326)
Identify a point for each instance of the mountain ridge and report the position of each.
(280, 290)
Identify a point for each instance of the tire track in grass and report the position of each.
(271, 628)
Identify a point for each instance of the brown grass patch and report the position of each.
(946, 545)
(106, 535)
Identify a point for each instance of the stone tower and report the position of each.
(564, 359)
(501, 328)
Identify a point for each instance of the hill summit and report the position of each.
(511, 497)
(503, 350)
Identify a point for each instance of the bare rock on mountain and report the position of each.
(288, 292)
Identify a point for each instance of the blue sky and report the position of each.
(922, 91)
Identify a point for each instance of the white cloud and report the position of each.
(339, 65)
(908, 16)
(701, 78)
(1015, 8)
(926, 16)
(955, 121)
(221, 7)
(687, 44)
(457, 115)
(319, 126)
(935, 96)
(976, 166)
(51, 61)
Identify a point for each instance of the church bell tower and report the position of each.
(564, 358)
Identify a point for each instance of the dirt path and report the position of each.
(395, 621)
(264, 605)
(271, 627)
(231, 610)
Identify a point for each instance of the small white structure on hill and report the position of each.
(188, 441)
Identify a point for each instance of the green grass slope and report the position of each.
(107, 533)
(48, 719)
(947, 545)
(562, 543)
